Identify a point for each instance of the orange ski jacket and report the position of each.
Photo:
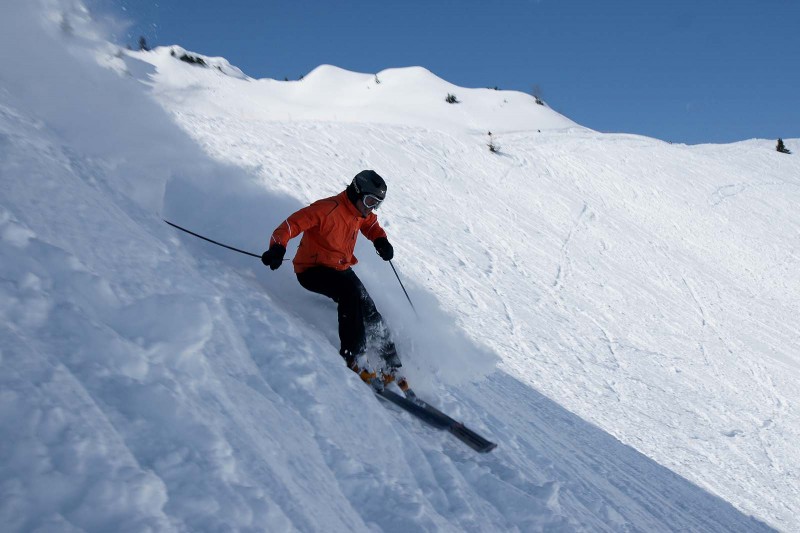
(330, 228)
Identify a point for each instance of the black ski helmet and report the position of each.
(369, 182)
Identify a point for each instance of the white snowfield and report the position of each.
(618, 313)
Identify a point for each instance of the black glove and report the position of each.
(384, 249)
(273, 258)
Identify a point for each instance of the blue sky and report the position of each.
(682, 71)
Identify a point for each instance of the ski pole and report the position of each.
(209, 240)
(404, 289)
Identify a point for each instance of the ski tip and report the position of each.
(489, 447)
(472, 439)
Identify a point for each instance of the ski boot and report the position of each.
(392, 364)
(365, 375)
(390, 375)
(351, 360)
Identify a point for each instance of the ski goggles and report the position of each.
(371, 201)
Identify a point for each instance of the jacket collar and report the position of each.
(351, 207)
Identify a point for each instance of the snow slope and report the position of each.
(617, 312)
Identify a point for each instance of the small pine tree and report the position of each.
(451, 99)
(782, 148)
(536, 92)
(192, 60)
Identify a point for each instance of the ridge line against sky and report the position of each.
(692, 72)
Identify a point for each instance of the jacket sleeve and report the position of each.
(297, 223)
(371, 229)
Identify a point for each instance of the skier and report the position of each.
(324, 260)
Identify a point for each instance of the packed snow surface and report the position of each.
(618, 313)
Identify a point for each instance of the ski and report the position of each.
(432, 416)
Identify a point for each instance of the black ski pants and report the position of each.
(359, 319)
